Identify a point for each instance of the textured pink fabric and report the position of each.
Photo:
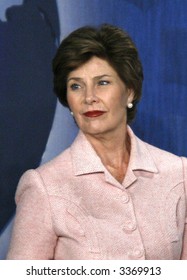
(72, 207)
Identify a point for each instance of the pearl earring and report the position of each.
(71, 113)
(130, 105)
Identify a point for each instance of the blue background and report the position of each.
(34, 127)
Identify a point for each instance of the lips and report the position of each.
(93, 114)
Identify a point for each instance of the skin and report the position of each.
(96, 87)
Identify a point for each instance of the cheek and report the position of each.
(71, 101)
(123, 101)
(68, 99)
(119, 102)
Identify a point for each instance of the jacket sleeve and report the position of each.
(33, 235)
(184, 248)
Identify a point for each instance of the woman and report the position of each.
(110, 195)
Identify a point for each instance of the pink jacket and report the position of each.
(72, 207)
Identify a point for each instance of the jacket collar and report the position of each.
(140, 157)
(85, 160)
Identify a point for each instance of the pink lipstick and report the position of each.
(93, 114)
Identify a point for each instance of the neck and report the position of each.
(113, 150)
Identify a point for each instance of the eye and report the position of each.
(74, 86)
(103, 83)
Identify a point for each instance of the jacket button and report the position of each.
(125, 198)
(129, 227)
(138, 253)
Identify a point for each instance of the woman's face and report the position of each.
(98, 97)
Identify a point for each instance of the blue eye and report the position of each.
(103, 83)
(75, 86)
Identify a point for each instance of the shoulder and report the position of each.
(166, 163)
(57, 171)
(152, 155)
(171, 171)
(48, 175)
(162, 156)
(170, 166)
(55, 174)
(60, 162)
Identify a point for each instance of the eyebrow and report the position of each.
(95, 78)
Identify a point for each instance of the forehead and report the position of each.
(94, 67)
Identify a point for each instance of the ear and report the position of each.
(130, 95)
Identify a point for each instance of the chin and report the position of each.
(92, 130)
(97, 130)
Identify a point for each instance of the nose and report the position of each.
(91, 96)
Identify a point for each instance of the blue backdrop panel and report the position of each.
(162, 115)
(27, 45)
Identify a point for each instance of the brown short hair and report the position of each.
(107, 42)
